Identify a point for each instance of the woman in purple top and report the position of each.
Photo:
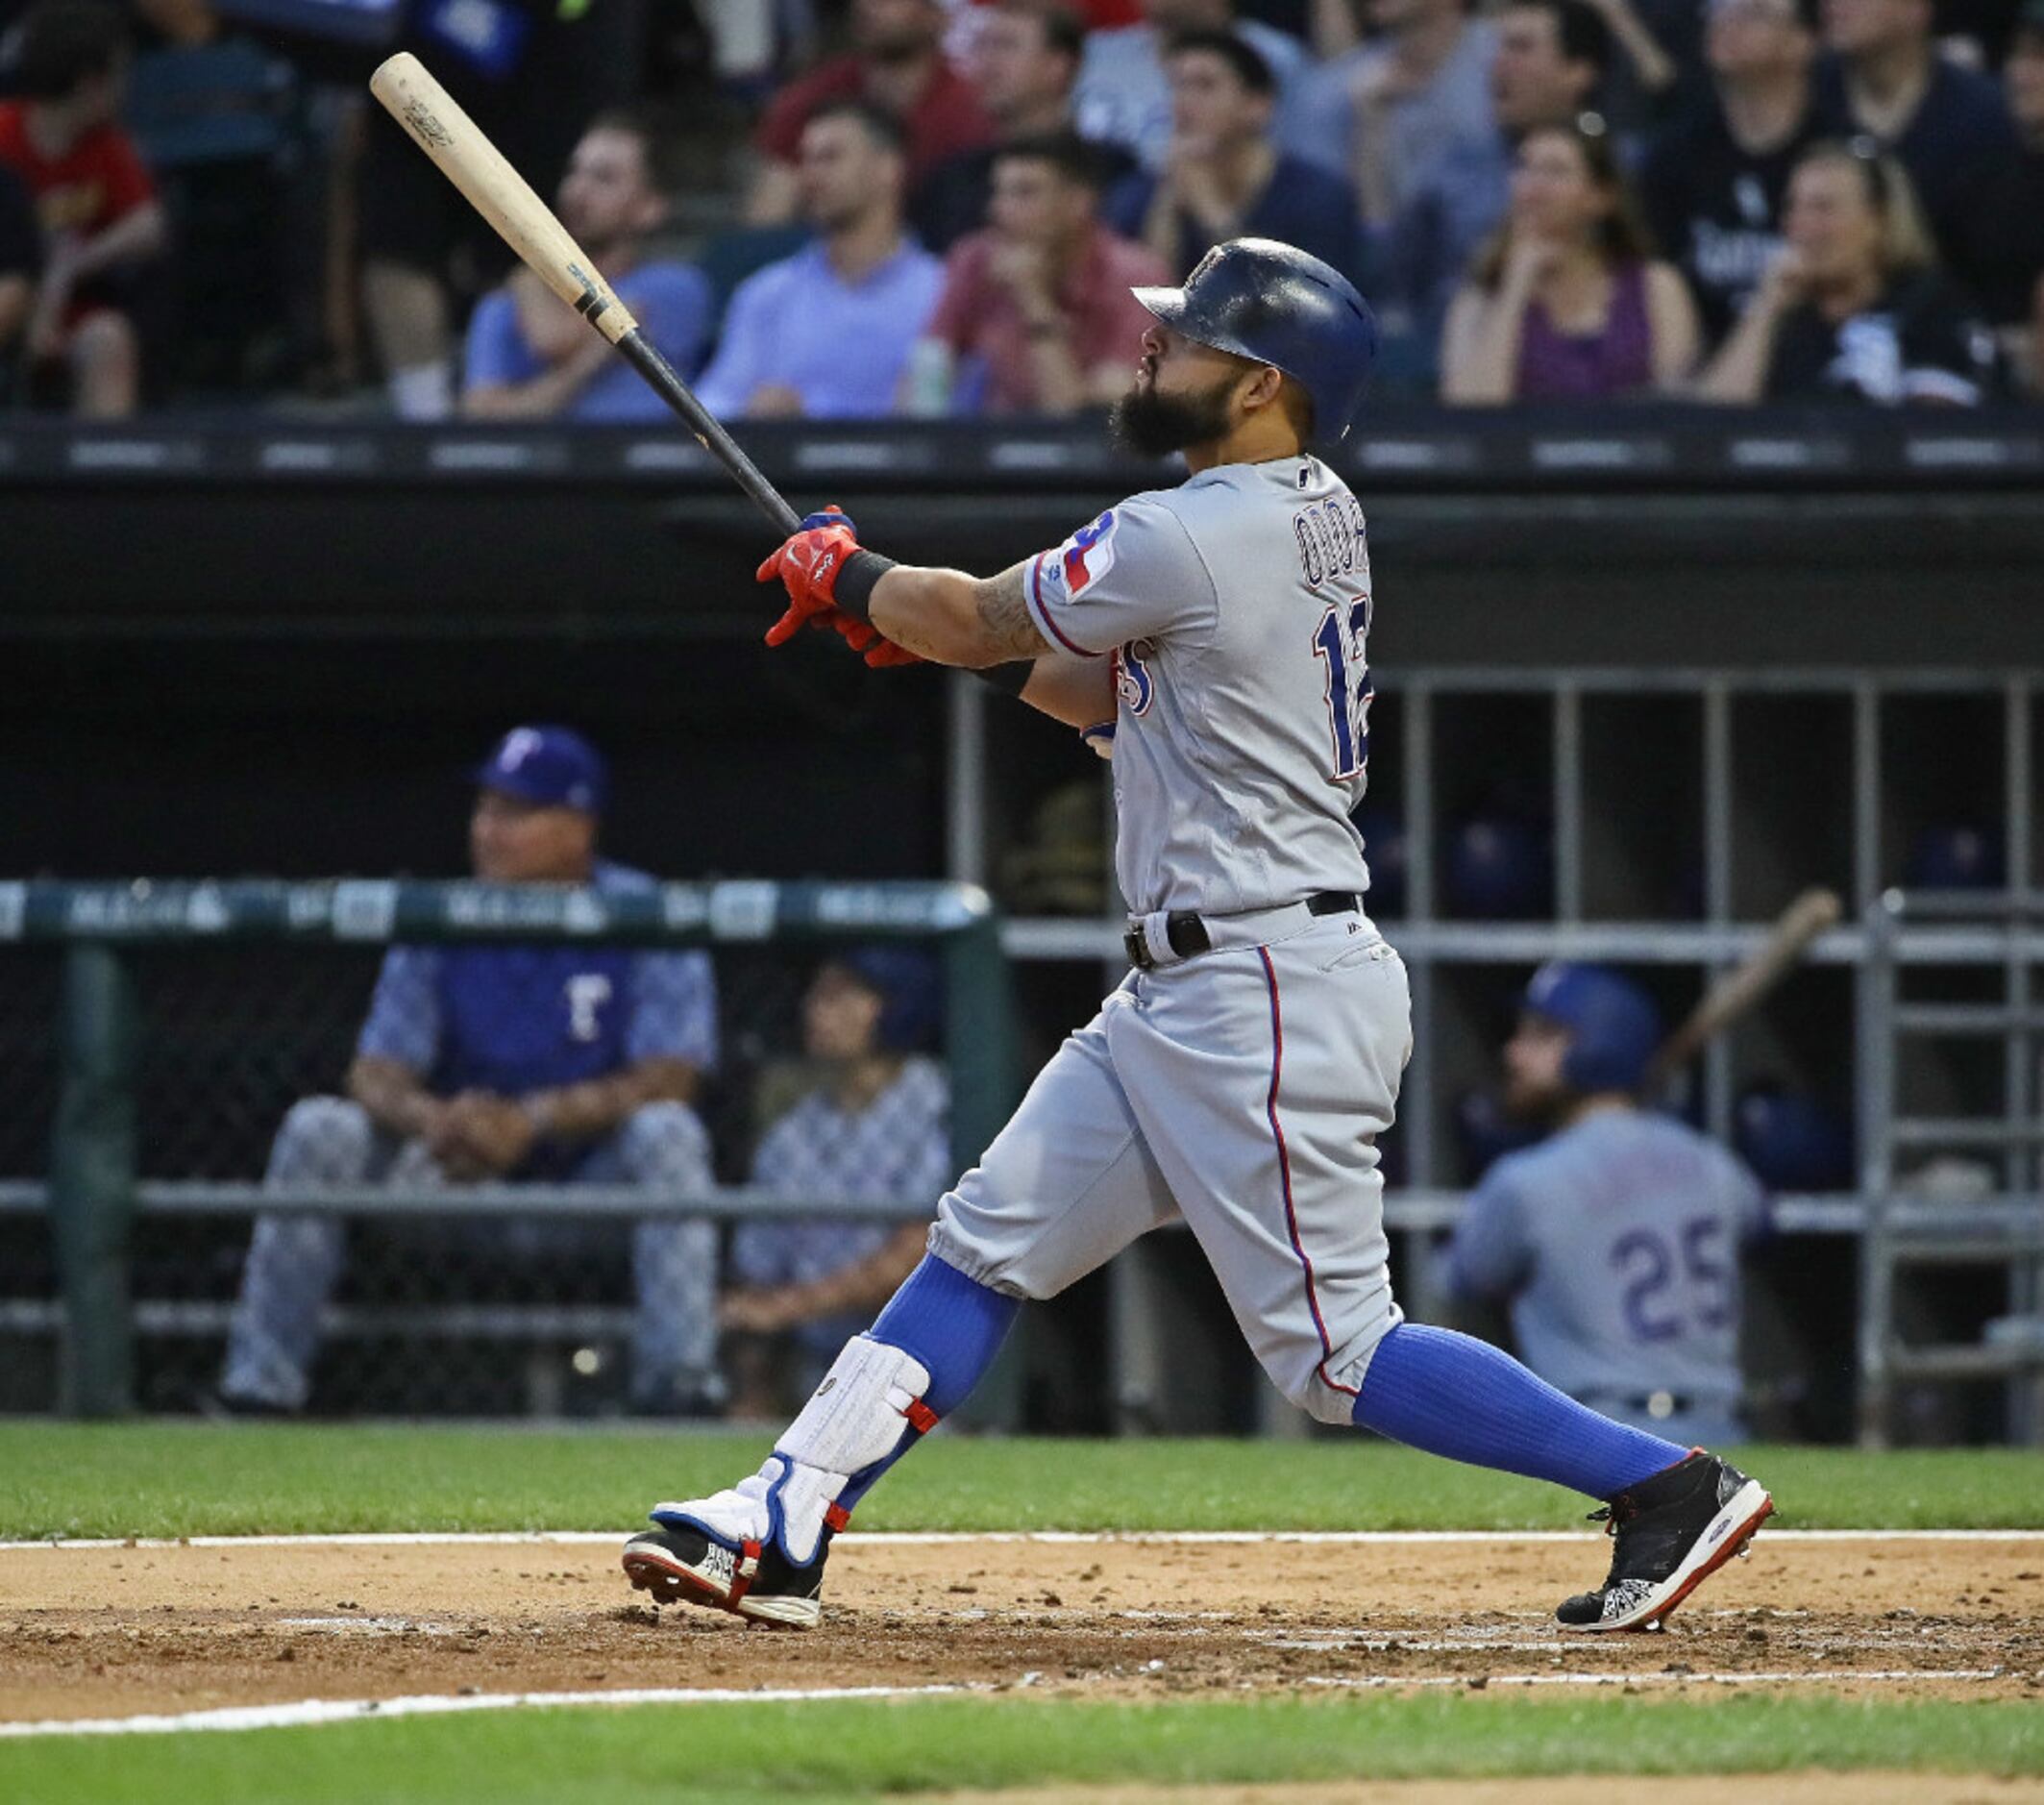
(1564, 304)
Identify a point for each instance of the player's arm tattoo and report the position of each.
(1004, 617)
(951, 618)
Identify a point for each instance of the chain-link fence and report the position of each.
(446, 1148)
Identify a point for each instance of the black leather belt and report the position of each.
(1187, 935)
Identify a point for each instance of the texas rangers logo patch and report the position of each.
(1133, 683)
(1088, 555)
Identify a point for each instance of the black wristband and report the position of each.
(852, 591)
(1010, 679)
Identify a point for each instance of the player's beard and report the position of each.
(1154, 425)
(1534, 1106)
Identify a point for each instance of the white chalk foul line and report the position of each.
(314, 1711)
(945, 1538)
(323, 1710)
(1882, 1676)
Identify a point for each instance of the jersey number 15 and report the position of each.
(1342, 639)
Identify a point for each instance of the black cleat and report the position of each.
(1672, 1532)
(682, 1565)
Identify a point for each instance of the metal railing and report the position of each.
(1997, 940)
(97, 1187)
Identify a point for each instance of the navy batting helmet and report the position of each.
(1956, 855)
(1792, 1140)
(1613, 1024)
(1265, 300)
(910, 988)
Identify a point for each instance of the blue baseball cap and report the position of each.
(910, 985)
(553, 766)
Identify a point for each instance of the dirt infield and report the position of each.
(117, 1631)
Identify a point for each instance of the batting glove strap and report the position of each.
(851, 589)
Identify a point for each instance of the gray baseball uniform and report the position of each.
(1616, 1241)
(1241, 1087)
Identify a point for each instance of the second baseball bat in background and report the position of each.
(466, 158)
(1744, 986)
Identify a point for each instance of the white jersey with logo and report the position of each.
(1236, 609)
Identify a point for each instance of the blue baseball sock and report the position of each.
(954, 1326)
(1461, 1398)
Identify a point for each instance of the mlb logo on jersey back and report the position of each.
(1088, 555)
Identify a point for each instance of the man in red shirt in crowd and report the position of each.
(896, 63)
(98, 208)
(1037, 316)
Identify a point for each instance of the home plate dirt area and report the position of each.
(100, 1631)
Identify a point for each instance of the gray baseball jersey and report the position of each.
(1236, 609)
(1241, 1089)
(1616, 1241)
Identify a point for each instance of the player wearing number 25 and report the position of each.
(1616, 1241)
(561, 1064)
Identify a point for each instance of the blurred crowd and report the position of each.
(937, 208)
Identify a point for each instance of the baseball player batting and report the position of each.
(1238, 1077)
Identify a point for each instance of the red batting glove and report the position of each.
(807, 563)
(883, 653)
(860, 635)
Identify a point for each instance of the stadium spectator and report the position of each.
(1036, 316)
(2018, 299)
(1947, 126)
(896, 64)
(1388, 112)
(1715, 182)
(876, 1126)
(1024, 60)
(1853, 308)
(101, 223)
(566, 1064)
(1223, 177)
(1566, 303)
(1125, 95)
(1551, 57)
(531, 357)
(532, 77)
(20, 264)
(826, 332)
(1615, 1242)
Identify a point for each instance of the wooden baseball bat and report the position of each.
(1744, 986)
(524, 222)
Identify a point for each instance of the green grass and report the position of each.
(856, 1750)
(172, 1479)
(159, 1479)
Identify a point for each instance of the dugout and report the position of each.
(1682, 662)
